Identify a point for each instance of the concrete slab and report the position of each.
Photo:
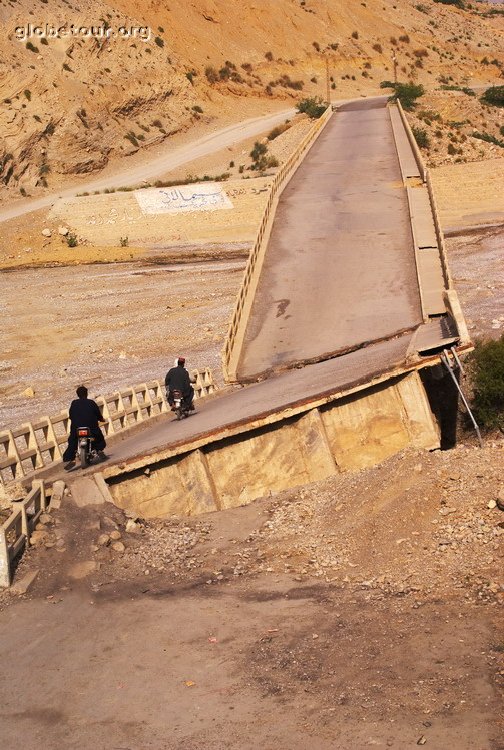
(85, 491)
(339, 268)
(58, 491)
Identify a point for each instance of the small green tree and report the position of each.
(494, 95)
(421, 137)
(314, 107)
(407, 93)
(486, 370)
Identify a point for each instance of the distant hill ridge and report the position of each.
(72, 103)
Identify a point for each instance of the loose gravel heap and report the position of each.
(420, 524)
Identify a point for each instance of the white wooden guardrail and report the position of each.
(254, 262)
(15, 532)
(37, 444)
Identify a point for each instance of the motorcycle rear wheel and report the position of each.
(83, 456)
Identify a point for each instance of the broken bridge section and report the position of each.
(354, 254)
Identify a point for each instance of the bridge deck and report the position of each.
(238, 410)
(340, 264)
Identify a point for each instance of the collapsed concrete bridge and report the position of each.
(345, 308)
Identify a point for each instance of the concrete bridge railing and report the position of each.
(230, 352)
(450, 295)
(426, 178)
(15, 532)
(35, 445)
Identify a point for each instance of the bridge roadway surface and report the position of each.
(340, 264)
(232, 409)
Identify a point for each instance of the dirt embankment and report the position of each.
(363, 610)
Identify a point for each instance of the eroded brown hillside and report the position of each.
(71, 105)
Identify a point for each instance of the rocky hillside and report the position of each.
(121, 75)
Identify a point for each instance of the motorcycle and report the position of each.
(85, 445)
(180, 405)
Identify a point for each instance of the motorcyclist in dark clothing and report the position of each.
(178, 379)
(84, 412)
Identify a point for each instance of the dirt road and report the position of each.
(359, 612)
(154, 167)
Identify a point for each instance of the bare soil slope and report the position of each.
(362, 611)
(75, 102)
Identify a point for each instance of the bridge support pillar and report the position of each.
(315, 449)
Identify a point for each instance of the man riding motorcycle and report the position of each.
(84, 412)
(178, 379)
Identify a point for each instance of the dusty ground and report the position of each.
(109, 326)
(362, 611)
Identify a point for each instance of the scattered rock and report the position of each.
(46, 233)
(63, 231)
(24, 584)
(83, 569)
(28, 392)
(103, 540)
(38, 536)
(118, 547)
(115, 535)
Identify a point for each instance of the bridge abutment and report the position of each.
(346, 434)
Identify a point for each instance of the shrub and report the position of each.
(44, 41)
(355, 34)
(22, 191)
(277, 131)
(131, 137)
(451, 149)
(159, 41)
(258, 151)
(494, 95)
(404, 38)
(71, 240)
(378, 48)
(486, 370)
(489, 138)
(421, 137)
(67, 67)
(198, 109)
(190, 75)
(316, 45)
(407, 93)
(457, 3)
(31, 47)
(314, 107)
(269, 56)
(27, 93)
(211, 74)
(124, 241)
